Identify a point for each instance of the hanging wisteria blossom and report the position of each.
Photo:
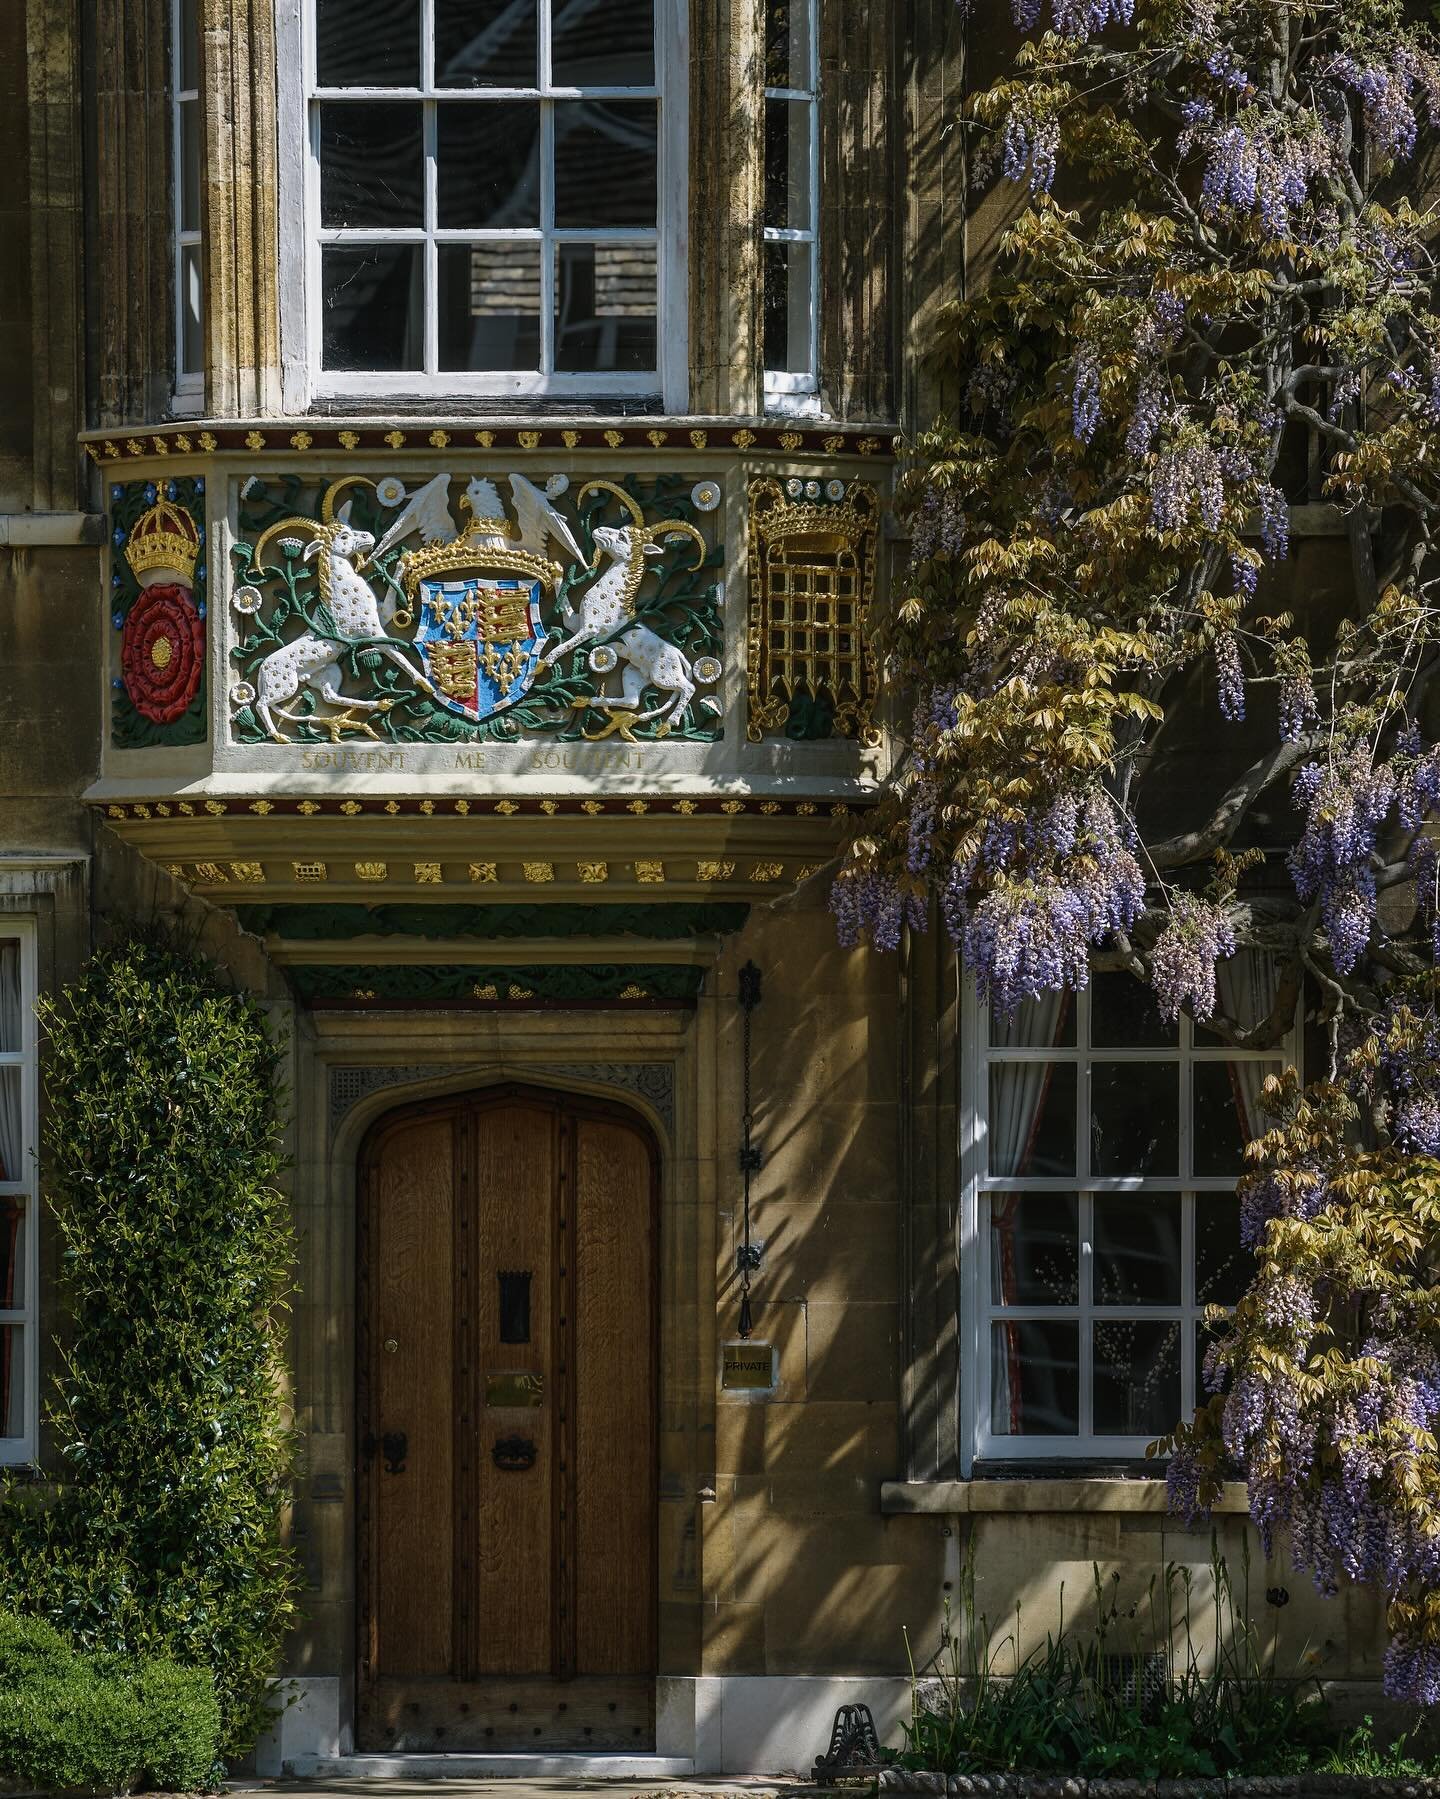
(1148, 719)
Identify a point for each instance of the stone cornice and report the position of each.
(389, 436)
(376, 851)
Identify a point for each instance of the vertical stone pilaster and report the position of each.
(130, 289)
(859, 147)
(242, 327)
(56, 187)
(726, 109)
(930, 1200)
(931, 221)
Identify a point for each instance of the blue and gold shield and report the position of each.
(480, 639)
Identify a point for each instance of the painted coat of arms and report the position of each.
(480, 642)
(387, 618)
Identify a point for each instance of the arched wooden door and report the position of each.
(507, 1421)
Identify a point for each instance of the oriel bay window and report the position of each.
(18, 1108)
(1100, 1216)
(486, 195)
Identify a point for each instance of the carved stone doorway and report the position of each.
(507, 1381)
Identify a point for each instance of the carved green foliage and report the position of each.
(130, 501)
(677, 601)
(564, 982)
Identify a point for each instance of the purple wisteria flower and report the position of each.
(1182, 965)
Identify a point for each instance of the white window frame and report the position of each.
(668, 383)
(792, 390)
(22, 1449)
(189, 388)
(978, 1441)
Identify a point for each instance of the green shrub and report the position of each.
(164, 1536)
(68, 1719)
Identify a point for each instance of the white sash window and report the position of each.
(493, 197)
(1100, 1216)
(18, 1251)
(187, 161)
(790, 309)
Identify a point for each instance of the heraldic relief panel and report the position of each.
(157, 597)
(443, 610)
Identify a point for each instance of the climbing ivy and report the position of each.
(171, 1448)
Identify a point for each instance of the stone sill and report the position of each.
(900, 1498)
(1255, 1786)
(51, 530)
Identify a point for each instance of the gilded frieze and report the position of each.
(441, 610)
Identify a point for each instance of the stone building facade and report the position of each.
(446, 457)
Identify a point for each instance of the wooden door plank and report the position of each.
(411, 1386)
(506, 1517)
(615, 1410)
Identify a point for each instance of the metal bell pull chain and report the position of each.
(747, 1256)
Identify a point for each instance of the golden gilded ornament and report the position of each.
(164, 538)
(812, 580)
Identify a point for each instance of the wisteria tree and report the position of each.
(1218, 289)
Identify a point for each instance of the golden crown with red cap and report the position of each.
(164, 538)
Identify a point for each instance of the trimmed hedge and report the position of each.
(73, 1720)
(164, 1536)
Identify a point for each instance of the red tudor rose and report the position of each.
(162, 652)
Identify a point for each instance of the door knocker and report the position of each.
(513, 1455)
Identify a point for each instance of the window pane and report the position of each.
(1136, 1259)
(1123, 1014)
(489, 164)
(1034, 1249)
(1223, 1265)
(192, 343)
(12, 1254)
(11, 1010)
(373, 300)
(605, 307)
(1137, 1377)
(1228, 1113)
(787, 165)
(1037, 1024)
(189, 44)
(13, 1147)
(190, 161)
(12, 1381)
(1032, 1118)
(367, 43)
(605, 162)
(787, 304)
(787, 43)
(371, 164)
(1244, 989)
(1134, 1118)
(1035, 1379)
(486, 43)
(609, 45)
(489, 306)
